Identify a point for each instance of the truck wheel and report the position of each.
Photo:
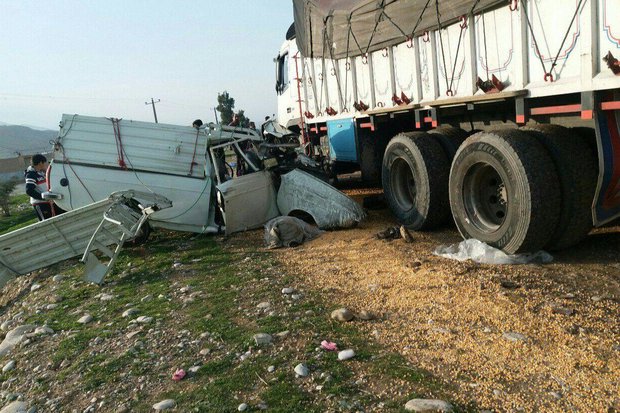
(370, 163)
(504, 191)
(577, 172)
(415, 180)
(450, 139)
(588, 135)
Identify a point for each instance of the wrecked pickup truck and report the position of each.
(210, 179)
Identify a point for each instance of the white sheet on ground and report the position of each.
(478, 251)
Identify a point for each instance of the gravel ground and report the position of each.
(457, 319)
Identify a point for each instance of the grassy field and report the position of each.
(18, 219)
(203, 296)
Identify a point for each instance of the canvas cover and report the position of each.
(355, 27)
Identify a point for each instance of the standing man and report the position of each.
(36, 184)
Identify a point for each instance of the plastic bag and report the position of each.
(478, 251)
(289, 232)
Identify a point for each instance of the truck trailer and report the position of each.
(501, 115)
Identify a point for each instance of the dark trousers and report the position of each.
(44, 210)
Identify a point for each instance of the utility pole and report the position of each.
(153, 102)
(217, 121)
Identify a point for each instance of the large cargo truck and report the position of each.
(501, 115)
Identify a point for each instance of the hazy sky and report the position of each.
(107, 57)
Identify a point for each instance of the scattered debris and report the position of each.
(178, 375)
(405, 234)
(329, 346)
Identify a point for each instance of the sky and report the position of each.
(109, 57)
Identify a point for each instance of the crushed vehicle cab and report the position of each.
(217, 177)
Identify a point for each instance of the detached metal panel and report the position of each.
(142, 146)
(53, 240)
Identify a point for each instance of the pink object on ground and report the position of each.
(178, 375)
(329, 346)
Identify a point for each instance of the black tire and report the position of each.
(577, 172)
(450, 139)
(588, 135)
(504, 191)
(415, 180)
(370, 163)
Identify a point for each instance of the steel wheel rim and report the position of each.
(485, 197)
(403, 184)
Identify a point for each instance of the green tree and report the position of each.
(6, 188)
(244, 121)
(225, 105)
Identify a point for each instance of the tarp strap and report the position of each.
(191, 165)
(419, 19)
(119, 143)
(549, 74)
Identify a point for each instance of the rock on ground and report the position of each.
(262, 339)
(301, 370)
(342, 314)
(428, 405)
(165, 405)
(15, 407)
(13, 337)
(346, 354)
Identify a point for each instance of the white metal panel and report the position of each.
(53, 240)
(382, 81)
(496, 46)
(310, 88)
(363, 82)
(454, 73)
(405, 73)
(143, 145)
(346, 80)
(549, 24)
(427, 68)
(334, 85)
(192, 197)
(320, 84)
(609, 32)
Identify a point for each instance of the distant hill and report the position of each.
(24, 140)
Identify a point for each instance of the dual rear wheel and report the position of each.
(518, 190)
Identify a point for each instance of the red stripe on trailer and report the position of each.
(368, 125)
(323, 128)
(315, 130)
(417, 125)
(521, 119)
(549, 110)
(434, 124)
(610, 105)
(428, 119)
(587, 114)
